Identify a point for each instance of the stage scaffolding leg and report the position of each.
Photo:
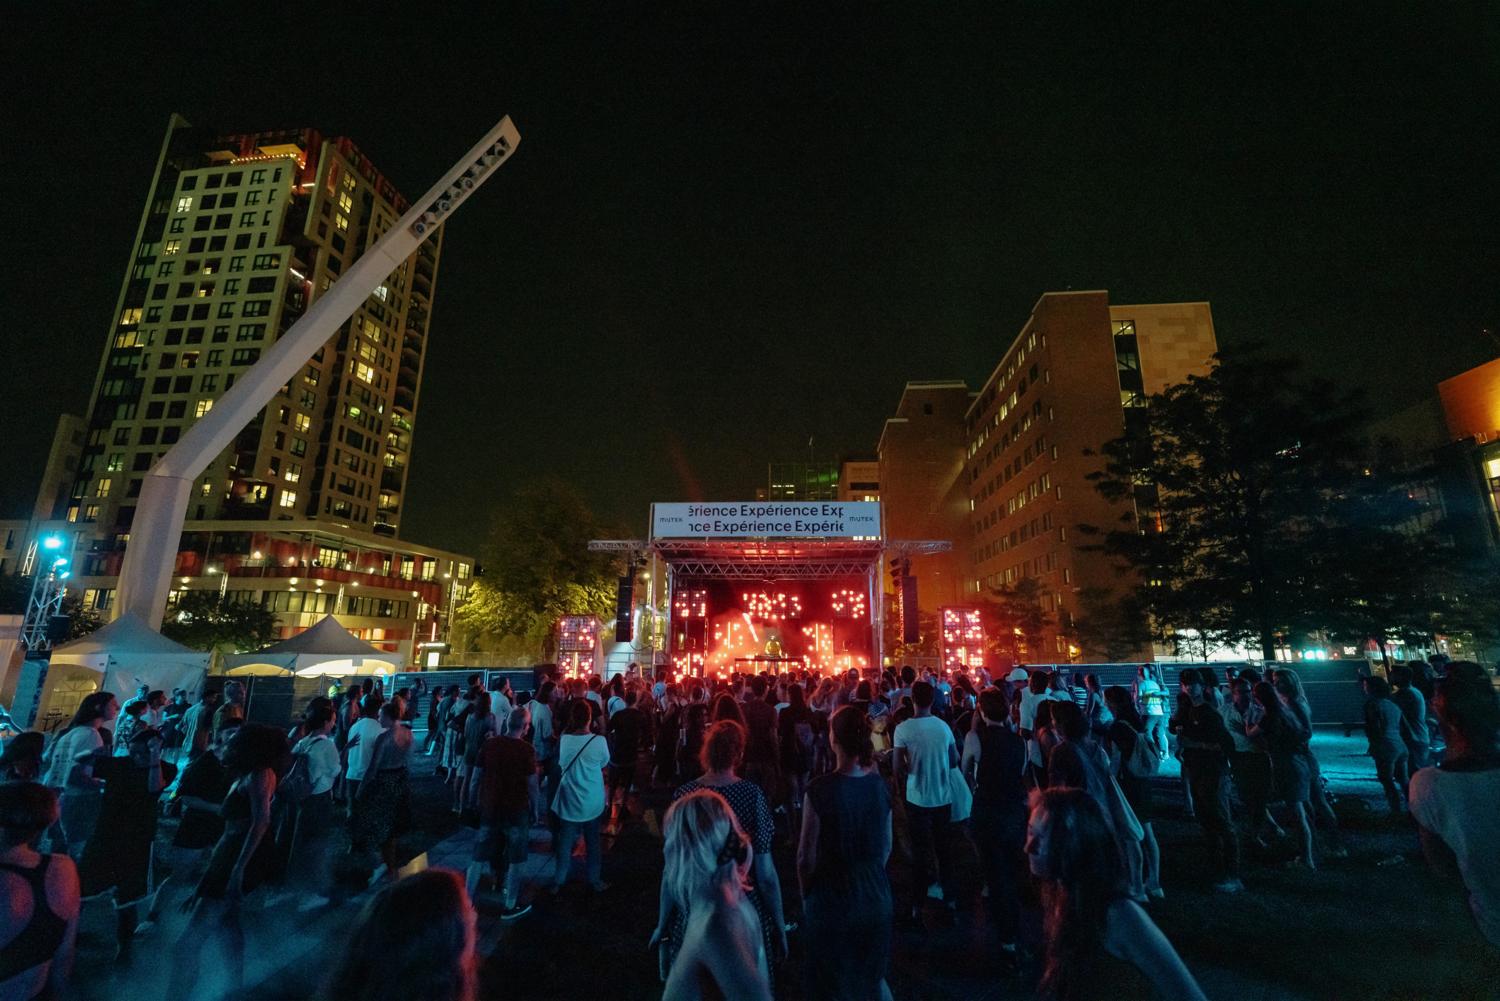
(877, 616)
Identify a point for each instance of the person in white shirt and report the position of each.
(1034, 694)
(579, 801)
(925, 756)
(1454, 804)
(1152, 699)
(310, 872)
(361, 744)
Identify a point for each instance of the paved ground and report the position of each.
(1375, 927)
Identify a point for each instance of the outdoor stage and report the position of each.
(771, 586)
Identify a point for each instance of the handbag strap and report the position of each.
(576, 753)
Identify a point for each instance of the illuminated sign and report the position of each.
(767, 519)
(963, 638)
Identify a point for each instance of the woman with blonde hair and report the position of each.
(707, 862)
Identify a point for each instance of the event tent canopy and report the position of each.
(129, 653)
(324, 649)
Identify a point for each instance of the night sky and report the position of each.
(730, 227)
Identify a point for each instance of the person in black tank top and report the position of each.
(35, 957)
(995, 757)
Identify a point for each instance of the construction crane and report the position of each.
(151, 554)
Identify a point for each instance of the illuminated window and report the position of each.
(293, 472)
(102, 489)
(340, 221)
(302, 422)
(363, 372)
(381, 292)
(346, 204)
(90, 512)
(185, 204)
(116, 462)
(348, 180)
(288, 499)
(203, 407)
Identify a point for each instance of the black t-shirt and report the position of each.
(760, 721)
(625, 729)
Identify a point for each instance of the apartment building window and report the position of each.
(101, 489)
(257, 307)
(258, 176)
(288, 499)
(203, 407)
(185, 204)
(244, 356)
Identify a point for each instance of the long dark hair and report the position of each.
(91, 708)
(726, 708)
(1117, 697)
(1084, 876)
(414, 939)
(255, 746)
(850, 730)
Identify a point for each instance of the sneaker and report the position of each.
(511, 913)
(1229, 886)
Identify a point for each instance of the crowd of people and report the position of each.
(1048, 779)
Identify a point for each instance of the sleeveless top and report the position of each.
(43, 934)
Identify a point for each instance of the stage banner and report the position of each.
(767, 519)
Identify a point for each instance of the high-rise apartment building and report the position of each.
(239, 234)
(923, 484)
(802, 481)
(1071, 380)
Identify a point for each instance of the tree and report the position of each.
(1116, 626)
(1241, 488)
(204, 621)
(538, 567)
(1015, 621)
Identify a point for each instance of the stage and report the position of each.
(761, 586)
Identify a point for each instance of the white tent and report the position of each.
(118, 658)
(325, 649)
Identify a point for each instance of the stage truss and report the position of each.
(692, 561)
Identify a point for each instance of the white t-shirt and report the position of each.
(1029, 701)
(1460, 808)
(580, 794)
(322, 761)
(1152, 697)
(73, 746)
(367, 730)
(927, 741)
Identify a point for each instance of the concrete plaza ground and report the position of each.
(1376, 926)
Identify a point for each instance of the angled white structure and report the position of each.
(326, 648)
(145, 577)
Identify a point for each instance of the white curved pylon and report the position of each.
(151, 554)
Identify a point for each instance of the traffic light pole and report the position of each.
(155, 533)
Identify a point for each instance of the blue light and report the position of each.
(52, 542)
(61, 561)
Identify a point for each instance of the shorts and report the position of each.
(505, 838)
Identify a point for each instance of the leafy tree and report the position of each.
(1014, 620)
(1241, 487)
(538, 567)
(204, 621)
(1118, 627)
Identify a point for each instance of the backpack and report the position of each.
(803, 733)
(296, 784)
(1145, 757)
